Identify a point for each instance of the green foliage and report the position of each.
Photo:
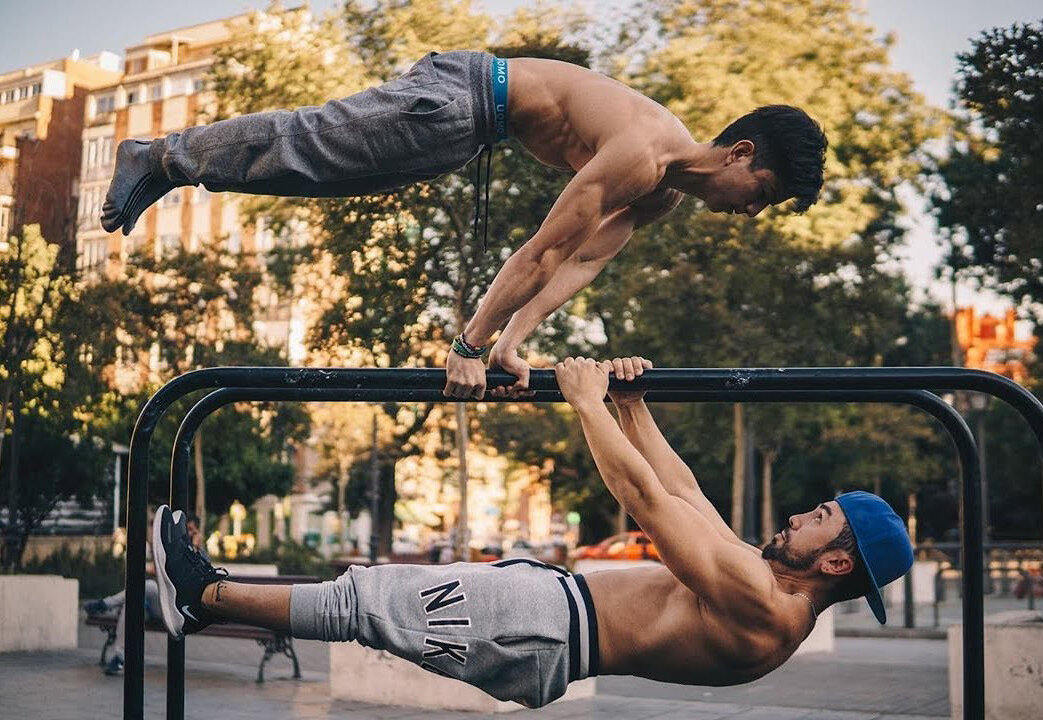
(1014, 472)
(245, 449)
(99, 574)
(992, 201)
(393, 276)
(50, 448)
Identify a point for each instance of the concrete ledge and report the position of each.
(923, 585)
(1013, 666)
(38, 612)
(376, 676)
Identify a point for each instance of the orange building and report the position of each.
(41, 119)
(991, 343)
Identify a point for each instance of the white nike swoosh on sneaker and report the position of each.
(186, 611)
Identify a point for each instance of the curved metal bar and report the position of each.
(970, 507)
(661, 379)
(667, 380)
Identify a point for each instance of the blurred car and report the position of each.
(633, 545)
(488, 553)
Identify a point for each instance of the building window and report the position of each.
(105, 104)
(169, 245)
(92, 153)
(132, 97)
(105, 155)
(198, 84)
(37, 88)
(5, 218)
(171, 199)
(155, 91)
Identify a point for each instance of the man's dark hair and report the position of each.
(856, 583)
(787, 142)
(193, 519)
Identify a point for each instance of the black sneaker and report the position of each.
(182, 573)
(115, 665)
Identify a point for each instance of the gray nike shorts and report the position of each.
(518, 629)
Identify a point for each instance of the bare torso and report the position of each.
(563, 113)
(652, 626)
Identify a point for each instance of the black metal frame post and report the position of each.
(671, 385)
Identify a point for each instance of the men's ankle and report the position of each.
(209, 596)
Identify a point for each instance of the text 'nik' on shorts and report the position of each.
(518, 629)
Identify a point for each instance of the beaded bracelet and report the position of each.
(465, 349)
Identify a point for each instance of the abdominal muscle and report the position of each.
(652, 626)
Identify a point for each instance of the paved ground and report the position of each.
(865, 679)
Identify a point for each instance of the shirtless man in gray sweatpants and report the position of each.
(718, 611)
(633, 161)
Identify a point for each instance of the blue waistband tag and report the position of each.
(499, 73)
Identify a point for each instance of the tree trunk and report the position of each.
(767, 501)
(462, 530)
(200, 484)
(5, 401)
(13, 543)
(738, 469)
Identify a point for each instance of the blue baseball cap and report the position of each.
(882, 542)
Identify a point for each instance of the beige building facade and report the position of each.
(161, 90)
(40, 124)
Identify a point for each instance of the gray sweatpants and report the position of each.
(430, 121)
(518, 629)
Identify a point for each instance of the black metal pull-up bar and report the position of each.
(895, 385)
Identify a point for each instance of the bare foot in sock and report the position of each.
(133, 188)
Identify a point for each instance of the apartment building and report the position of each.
(41, 121)
(162, 90)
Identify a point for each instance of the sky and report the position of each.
(929, 33)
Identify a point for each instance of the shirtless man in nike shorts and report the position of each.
(717, 612)
(633, 162)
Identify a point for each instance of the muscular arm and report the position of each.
(618, 174)
(727, 576)
(580, 269)
(641, 430)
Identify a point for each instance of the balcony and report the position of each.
(19, 109)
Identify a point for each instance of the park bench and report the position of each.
(274, 642)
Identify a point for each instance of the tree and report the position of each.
(414, 249)
(198, 310)
(991, 204)
(814, 289)
(55, 337)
